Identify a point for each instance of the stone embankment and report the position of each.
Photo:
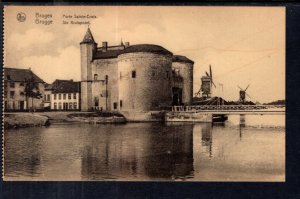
(21, 119)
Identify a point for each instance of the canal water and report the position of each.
(245, 148)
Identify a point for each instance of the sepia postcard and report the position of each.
(144, 93)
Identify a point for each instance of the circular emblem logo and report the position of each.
(21, 17)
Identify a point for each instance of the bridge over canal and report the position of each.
(232, 109)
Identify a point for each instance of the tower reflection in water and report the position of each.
(206, 137)
(139, 152)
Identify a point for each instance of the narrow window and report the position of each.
(115, 105)
(55, 105)
(64, 96)
(69, 96)
(12, 94)
(75, 105)
(95, 76)
(48, 97)
(54, 96)
(133, 74)
(121, 103)
(70, 105)
(106, 79)
(74, 95)
(153, 73)
(12, 85)
(59, 96)
(59, 105)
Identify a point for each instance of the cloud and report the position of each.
(64, 66)
(31, 38)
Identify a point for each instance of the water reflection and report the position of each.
(145, 151)
(206, 137)
(25, 152)
(155, 151)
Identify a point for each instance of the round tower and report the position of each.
(87, 48)
(145, 79)
(185, 68)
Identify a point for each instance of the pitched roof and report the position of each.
(65, 86)
(131, 49)
(180, 58)
(107, 55)
(147, 48)
(20, 75)
(88, 38)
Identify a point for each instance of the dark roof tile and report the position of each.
(20, 75)
(65, 86)
(147, 48)
(107, 55)
(180, 58)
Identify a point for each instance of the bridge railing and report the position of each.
(223, 108)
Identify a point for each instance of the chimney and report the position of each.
(126, 44)
(104, 46)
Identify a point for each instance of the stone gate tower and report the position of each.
(88, 46)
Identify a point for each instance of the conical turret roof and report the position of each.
(88, 38)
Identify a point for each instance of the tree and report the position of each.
(31, 89)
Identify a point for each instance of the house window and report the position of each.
(64, 95)
(55, 105)
(48, 97)
(74, 95)
(133, 74)
(12, 94)
(22, 93)
(153, 73)
(8, 77)
(75, 105)
(69, 95)
(96, 77)
(22, 84)
(54, 96)
(12, 85)
(59, 96)
(70, 105)
(106, 79)
(59, 105)
(115, 105)
(121, 103)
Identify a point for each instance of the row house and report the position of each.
(62, 95)
(14, 95)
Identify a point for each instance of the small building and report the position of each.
(63, 95)
(15, 98)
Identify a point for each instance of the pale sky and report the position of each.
(244, 45)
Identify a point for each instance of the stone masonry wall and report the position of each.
(151, 86)
(186, 72)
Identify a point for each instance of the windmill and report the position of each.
(243, 94)
(206, 84)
